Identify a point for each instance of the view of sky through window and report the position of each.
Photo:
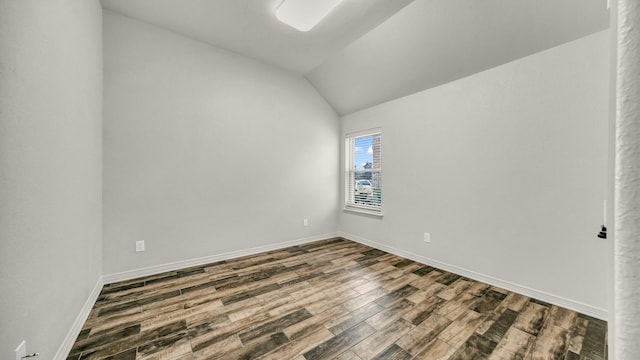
(363, 152)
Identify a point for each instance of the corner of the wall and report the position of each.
(73, 333)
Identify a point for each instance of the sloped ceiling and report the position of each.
(370, 51)
(250, 27)
(431, 42)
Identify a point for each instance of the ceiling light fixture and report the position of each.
(303, 15)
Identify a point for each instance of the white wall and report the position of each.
(50, 168)
(208, 152)
(627, 184)
(506, 169)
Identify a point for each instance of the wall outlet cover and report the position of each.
(140, 246)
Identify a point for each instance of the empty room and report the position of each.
(306, 179)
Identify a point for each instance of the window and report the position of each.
(363, 172)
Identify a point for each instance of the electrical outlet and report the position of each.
(140, 246)
(427, 237)
(305, 222)
(21, 350)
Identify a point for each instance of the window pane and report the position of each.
(364, 176)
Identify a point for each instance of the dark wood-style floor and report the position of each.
(332, 299)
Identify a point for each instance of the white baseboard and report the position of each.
(157, 269)
(520, 289)
(73, 333)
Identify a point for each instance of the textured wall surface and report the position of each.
(50, 168)
(627, 212)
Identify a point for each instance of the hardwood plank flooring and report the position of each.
(331, 299)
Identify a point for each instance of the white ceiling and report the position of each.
(370, 51)
(432, 42)
(250, 27)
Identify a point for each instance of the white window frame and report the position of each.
(349, 175)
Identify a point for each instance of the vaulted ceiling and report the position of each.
(370, 51)
(250, 27)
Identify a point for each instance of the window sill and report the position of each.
(363, 211)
